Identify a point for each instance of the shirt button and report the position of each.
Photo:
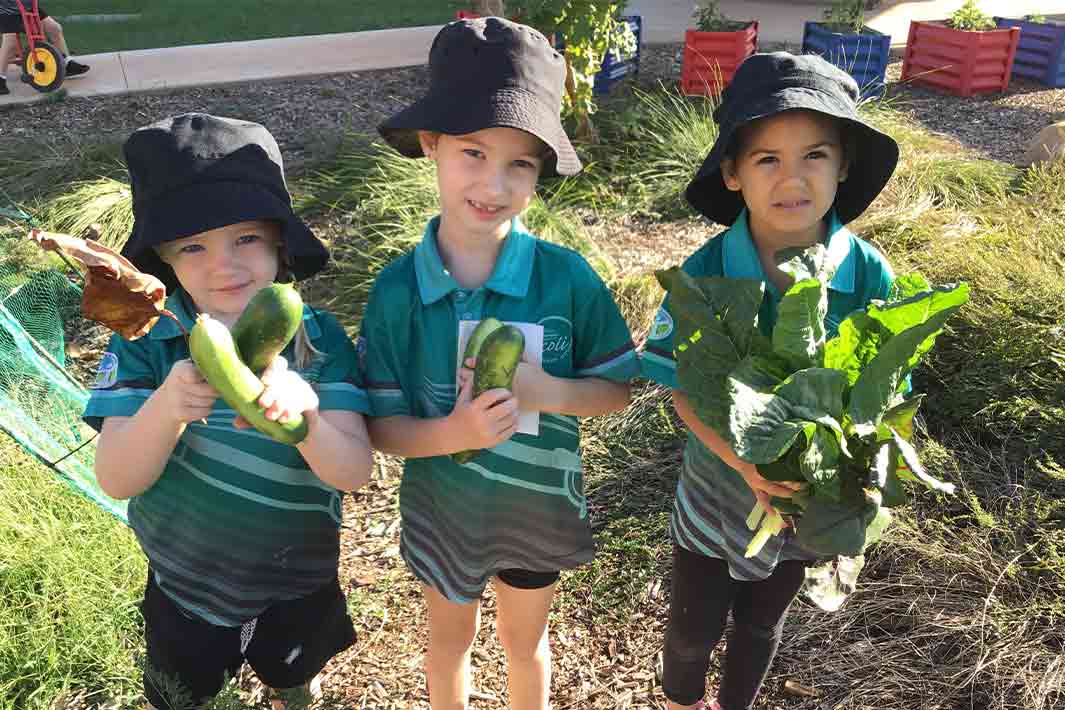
(460, 295)
(467, 316)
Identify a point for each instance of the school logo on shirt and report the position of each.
(558, 338)
(663, 325)
(107, 373)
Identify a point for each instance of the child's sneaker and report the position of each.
(75, 68)
(3, 87)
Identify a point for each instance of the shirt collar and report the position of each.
(510, 277)
(740, 256)
(181, 306)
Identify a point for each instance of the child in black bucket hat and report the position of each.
(516, 513)
(241, 532)
(792, 164)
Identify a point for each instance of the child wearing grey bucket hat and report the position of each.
(793, 163)
(515, 514)
(241, 532)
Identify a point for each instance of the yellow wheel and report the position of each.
(44, 67)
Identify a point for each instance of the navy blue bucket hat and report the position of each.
(768, 84)
(196, 172)
(489, 73)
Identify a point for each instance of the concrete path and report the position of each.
(664, 22)
(225, 63)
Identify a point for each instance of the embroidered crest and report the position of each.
(662, 327)
(107, 373)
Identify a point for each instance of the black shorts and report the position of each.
(524, 579)
(13, 23)
(290, 643)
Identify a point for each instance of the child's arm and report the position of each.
(762, 488)
(132, 451)
(478, 423)
(539, 391)
(337, 447)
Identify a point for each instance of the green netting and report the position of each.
(41, 394)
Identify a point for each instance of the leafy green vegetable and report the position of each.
(806, 407)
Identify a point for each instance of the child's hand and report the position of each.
(532, 386)
(187, 395)
(484, 422)
(764, 488)
(287, 395)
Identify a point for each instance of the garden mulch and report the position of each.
(595, 665)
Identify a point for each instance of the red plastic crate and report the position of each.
(959, 62)
(710, 58)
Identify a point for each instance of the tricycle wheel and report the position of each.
(44, 67)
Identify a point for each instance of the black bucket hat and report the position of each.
(489, 73)
(196, 172)
(768, 84)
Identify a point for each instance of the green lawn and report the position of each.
(167, 23)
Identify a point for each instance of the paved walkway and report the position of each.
(664, 22)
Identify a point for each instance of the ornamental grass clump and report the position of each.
(834, 413)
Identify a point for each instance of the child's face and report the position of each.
(788, 169)
(223, 268)
(486, 178)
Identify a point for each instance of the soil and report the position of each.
(595, 666)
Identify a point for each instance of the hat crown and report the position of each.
(763, 74)
(472, 58)
(197, 148)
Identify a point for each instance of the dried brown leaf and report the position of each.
(116, 294)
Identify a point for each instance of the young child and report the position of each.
(792, 164)
(241, 532)
(515, 514)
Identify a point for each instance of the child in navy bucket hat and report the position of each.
(515, 515)
(792, 164)
(241, 532)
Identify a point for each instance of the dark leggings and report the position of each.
(702, 594)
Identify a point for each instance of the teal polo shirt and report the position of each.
(712, 502)
(520, 504)
(237, 521)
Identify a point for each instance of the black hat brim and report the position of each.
(205, 206)
(456, 116)
(870, 167)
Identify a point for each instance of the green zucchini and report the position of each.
(497, 362)
(215, 354)
(267, 325)
(473, 345)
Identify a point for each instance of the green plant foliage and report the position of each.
(846, 16)
(709, 18)
(832, 412)
(590, 29)
(971, 18)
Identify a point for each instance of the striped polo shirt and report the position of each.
(712, 502)
(237, 521)
(520, 504)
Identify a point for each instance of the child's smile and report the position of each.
(486, 178)
(223, 268)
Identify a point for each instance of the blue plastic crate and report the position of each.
(616, 68)
(865, 56)
(1040, 52)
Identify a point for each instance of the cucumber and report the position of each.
(497, 362)
(473, 345)
(267, 325)
(215, 354)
